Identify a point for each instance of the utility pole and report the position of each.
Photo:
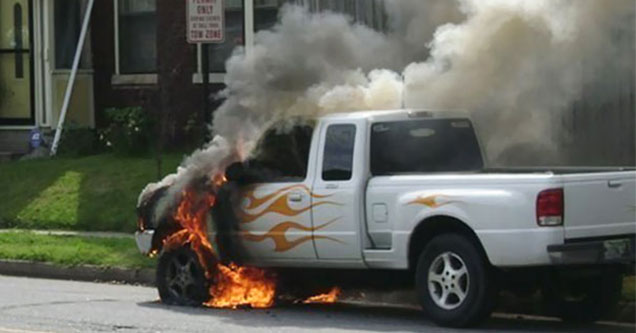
(205, 68)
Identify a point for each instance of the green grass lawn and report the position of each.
(94, 193)
(73, 250)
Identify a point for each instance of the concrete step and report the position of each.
(14, 141)
(6, 156)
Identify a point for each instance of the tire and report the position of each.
(181, 279)
(584, 299)
(453, 265)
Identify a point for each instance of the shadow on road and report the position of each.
(344, 316)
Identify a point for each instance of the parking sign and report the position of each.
(205, 21)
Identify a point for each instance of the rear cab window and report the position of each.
(424, 146)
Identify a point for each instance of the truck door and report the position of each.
(339, 192)
(274, 212)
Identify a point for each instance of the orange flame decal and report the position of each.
(255, 202)
(280, 205)
(431, 201)
(278, 235)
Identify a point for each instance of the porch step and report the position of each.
(7, 156)
(14, 142)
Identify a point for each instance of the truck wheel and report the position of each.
(584, 299)
(181, 279)
(454, 282)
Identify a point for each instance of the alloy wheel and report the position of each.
(180, 276)
(448, 281)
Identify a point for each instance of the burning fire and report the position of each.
(236, 285)
(191, 216)
(330, 297)
(232, 285)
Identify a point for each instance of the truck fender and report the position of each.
(433, 226)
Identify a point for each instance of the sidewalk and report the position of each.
(98, 234)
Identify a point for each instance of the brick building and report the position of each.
(136, 54)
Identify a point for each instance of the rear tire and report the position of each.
(454, 282)
(181, 279)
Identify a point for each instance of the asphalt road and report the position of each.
(38, 305)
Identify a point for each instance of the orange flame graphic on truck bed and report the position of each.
(431, 201)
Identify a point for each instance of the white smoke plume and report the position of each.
(519, 64)
(513, 64)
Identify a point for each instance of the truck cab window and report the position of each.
(338, 156)
(432, 145)
(281, 155)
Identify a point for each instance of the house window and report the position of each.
(234, 36)
(266, 12)
(368, 12)
(136, 40)
(68, 24)
(244, 18)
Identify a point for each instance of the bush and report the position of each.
(78, 141)
(128, 132)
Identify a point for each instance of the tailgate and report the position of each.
(599, 204)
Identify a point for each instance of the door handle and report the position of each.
(295, 197)
(614, 183)
(331, 186)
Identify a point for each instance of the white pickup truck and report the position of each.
(409, 190)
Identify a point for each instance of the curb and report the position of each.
(144, 276)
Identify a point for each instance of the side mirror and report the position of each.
(235, 172)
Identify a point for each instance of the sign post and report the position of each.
(206, 25)
(205, 68)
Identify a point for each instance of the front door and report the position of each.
(340, 182)
(16, 63)
(275, 212)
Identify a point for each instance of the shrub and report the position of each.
(128, 132)
(78, 141)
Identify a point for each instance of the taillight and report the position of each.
(550, 207)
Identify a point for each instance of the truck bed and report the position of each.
(557, 170)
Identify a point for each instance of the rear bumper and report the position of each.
(597, 251)
(144, 240)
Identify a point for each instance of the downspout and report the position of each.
(71, 80)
